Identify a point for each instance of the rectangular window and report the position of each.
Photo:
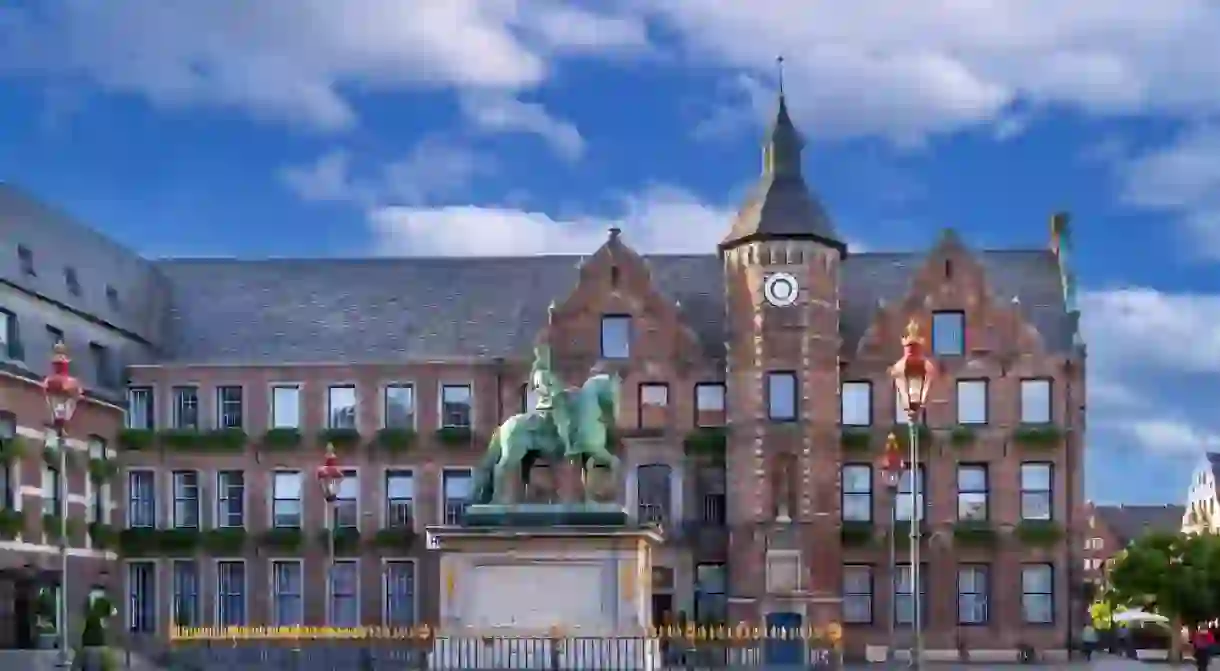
(55, 335)
(399, 603)
(616, 337)
(711, 594)
(856, 404)
(456, 494)
(231, 594)
(973, 584)
(1037, 485)
(186, 407)
(949, 333)
(858, 594)
(529, 398)
(857, 493)
(231, 499)
(344, 607)
(1038, 593)
(399, 499)
(972, 401)
(1035, 401)
(140, 409)
(347, 503)
(229, 407)
(710, 409)
(141, 499)
(25, 257)
(904, 602)
(972, 488)
(399, 406)
(711, 484)
(10, 340)
(112, 298)
(286, 499)
(285, 407)
(654, 405)
(51, 491)
(186, 499)
(341, 407)
(654, 492)
(103, 371)
(72, 281)
(288, 607)
(456, 406)
(781, 397)
(186, 593)
(142, 597)
(902, 505)
(8, 483)
(900, 409)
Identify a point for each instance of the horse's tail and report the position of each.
(483, 485)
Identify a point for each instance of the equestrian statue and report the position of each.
(566, 424)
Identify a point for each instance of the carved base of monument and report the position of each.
(520, 515)
(518, 591)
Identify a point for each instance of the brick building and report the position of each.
(755, 404)
(1112, 528)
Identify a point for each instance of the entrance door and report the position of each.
(663, 610)
(784, 649)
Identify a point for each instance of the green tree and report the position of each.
(1175, 575)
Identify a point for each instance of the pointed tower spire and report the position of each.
(781, 206)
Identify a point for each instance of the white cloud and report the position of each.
(1182, 177)
(661, 219)
(905, 70)
(1167, 436)
(499, 113)
(293, 60)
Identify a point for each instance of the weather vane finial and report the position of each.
(779, 66)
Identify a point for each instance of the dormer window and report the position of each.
(25, 256)
(112, 298)
(72, 281)
(616, 337)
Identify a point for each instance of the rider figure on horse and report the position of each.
(553, 403)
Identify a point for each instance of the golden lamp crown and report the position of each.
(912, 335)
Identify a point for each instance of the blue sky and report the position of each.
(524, 126)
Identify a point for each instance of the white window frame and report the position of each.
(220, 515)
(440, 403)
(1049, 492)
(385, 587)
(443, 496)
(330, 591)
(330, 406)
(216, 593)
(173, 486)
(129, 596)
(385, 403)
(274, 594)
(175, 410)
(385, 495)
(349, 474)
(150, 409)
(271, 497)
(963, 388)
(272, 422)
(199, 620)
(128, 508)
(868, 399)
(601, 336)
(1048, 410)
(846, 493)
(220, 410)
(974, 569)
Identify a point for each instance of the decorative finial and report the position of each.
(779, 66)
(60, 350)
(912, 335)
(891, 442)
(550, 313)
(615, 231)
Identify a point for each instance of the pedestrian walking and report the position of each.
(1088, 641)
(1202, 643)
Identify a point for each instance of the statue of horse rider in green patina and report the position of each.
(565, 424)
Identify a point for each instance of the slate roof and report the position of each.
(781, 204)
(397, 309)
(1128, 523)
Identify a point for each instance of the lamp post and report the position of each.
(62, 392)
(913, 375)
(891, 472)
(330, 476)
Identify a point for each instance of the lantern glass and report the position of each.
(330, 486)
(62, 407)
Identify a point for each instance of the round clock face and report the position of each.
(780, 289)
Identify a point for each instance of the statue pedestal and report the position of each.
(519, 593)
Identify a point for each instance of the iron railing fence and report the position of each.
(771, 650)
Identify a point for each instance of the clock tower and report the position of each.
(781, 266)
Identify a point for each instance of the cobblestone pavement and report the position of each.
(1106, 663)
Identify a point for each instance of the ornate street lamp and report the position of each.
(913, 376)
(330, 477)
(890, 464)
(62, 392)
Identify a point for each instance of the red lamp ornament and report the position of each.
(891, 463)
(330, 475)
(914, 373)
(61, 390)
